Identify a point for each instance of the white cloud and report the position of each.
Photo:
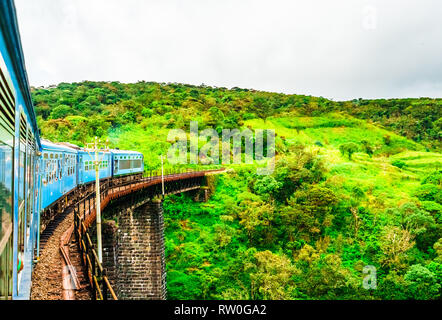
(339, 49)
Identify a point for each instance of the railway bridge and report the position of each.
(133, 246)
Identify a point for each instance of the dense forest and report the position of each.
(357, 183)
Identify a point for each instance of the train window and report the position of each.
(137, 163)
(45, 156)
(55, 170)
(124, 164)
(52, 171)
(6, 205)
(21, 193)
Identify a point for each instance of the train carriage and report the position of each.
(59, 165)
(20, 146)
(86, 167)
(126, 162)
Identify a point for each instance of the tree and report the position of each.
(256, 217)
(262, 107)
(438, 249)
(392, 286)
(267, 186)
(61, 112)
(413, 219)
(271, 279)
(368, 149)
(326, 278)
(419, 223)
(421, 283)
(309, 211)
(395, 242)
(387, 140)
(434, 178)
(299, 168)
(348, 149)
(429, 192)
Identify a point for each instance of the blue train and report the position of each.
(36, 176)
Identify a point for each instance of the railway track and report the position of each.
(48, 277)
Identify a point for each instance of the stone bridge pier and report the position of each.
(133, 240)
(133, 252)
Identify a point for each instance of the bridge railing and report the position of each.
(84, 216)
(83, 212)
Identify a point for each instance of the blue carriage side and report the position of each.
(126, 162)
(59, 164)
(19, 166)
(86, 167)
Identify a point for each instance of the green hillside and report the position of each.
(356, 184)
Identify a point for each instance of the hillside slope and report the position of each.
(356, 184)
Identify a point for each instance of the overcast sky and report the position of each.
(340, 49)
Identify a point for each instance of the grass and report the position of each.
(376, 175)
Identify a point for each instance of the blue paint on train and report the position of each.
(18, 133)
(86, 168)
(126, 162)
(58, 176)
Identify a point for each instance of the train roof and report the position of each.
(51, 146)
(117, 151)
(69, 145)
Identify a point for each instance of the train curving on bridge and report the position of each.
(40, 180)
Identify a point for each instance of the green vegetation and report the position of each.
(356, 183)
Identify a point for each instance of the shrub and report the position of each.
(433, 178)
(387, 140)
(421, 283)
(398, 163)
(429, 192)
(349, 149)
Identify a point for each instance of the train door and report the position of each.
(29, 184)
(37, 198)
